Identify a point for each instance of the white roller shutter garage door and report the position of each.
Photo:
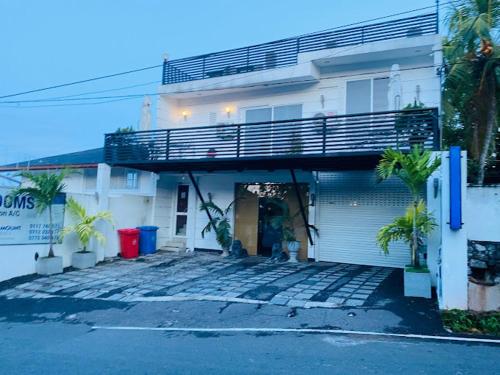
(352, 208)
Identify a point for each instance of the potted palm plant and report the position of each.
(286, 223)
(85, 230)
(44, 188)
(413, 169)
(219, 222)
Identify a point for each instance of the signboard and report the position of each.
(20, 222)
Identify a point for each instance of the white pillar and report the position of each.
(102, 194)
(452, 285)
(434, 197)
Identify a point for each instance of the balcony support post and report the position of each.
(302, 207)
(200, 197)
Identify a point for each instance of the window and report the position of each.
(124, 178)
(380, 94)
(181, 210)
(367, 95)
(268, 114)
(132, 181)
(358, 99)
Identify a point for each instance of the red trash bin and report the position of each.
(129, 242)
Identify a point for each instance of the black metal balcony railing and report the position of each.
(368, 133)
(284, 52)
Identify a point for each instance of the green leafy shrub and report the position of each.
(470, 322)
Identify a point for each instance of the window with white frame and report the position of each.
(124, 179)
(367, 95)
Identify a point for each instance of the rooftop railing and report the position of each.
(346, 135)
(284, 52)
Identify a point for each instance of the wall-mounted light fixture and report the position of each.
(228, 112)
(185, 115)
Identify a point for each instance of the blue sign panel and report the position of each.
(455, 188)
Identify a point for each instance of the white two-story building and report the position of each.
(295, 124)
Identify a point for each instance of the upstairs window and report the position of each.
(367, 95)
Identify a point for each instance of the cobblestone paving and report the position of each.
(203, 276)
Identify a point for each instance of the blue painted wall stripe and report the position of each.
(455, 188)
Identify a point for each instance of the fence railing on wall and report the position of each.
(284, 52)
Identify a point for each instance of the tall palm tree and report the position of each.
(44, 187)
(414, 169)
(472, 76)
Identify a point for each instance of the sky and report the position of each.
(50, 42)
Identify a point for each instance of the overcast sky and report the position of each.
(49, 42)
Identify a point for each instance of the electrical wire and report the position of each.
(160, 65)
(81, 81)
(263, 85)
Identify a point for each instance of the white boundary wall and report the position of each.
(483, 211)
(128, 210)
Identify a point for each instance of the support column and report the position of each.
(453, 279)
(302, 208)
(102, 196)
(202, 200)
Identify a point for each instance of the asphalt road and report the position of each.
(58, 336)
(66, 348)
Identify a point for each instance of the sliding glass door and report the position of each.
(267, 139)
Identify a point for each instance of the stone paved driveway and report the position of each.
(167, 276)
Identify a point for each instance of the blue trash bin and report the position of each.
(147, 239)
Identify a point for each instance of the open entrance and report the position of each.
(260, 211)
(270, 228)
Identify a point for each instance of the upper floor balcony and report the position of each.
(286, 52)
(322, 143)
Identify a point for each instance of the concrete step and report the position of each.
(177, 246)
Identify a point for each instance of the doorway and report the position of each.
(270, 231)
(258, 205)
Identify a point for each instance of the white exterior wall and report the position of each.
(129, 209)
(18, 260)
(483, 212)
(325, 96)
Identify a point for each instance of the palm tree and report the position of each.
(472, 76)
(44, 187)
(219, 222)
(414, 169)
(85, 228)
(402, 228)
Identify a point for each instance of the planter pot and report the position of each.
(417, 283)
(293, 250)
(83, 259)
(49, 266)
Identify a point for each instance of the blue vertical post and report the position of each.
(455, 188)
